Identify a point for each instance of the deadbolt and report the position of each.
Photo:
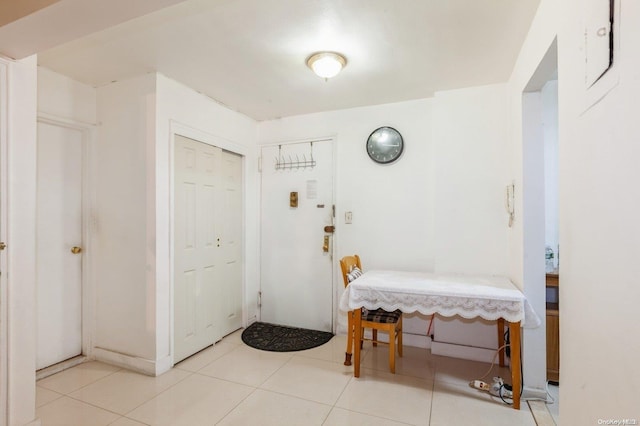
(2, 246)
(325, 246)
(76, 250)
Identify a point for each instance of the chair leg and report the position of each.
(374, 334)
(350, 337)
(400, 336)
(392, 351)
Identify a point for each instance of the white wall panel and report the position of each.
(20, 120)
(62, 97)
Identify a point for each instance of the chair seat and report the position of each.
(381, 316)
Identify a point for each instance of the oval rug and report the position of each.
(280, 338)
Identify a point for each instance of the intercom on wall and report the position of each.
(509, 201)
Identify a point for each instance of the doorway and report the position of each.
(297, 216)
(540, 221)
(59, 241)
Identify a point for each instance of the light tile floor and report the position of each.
(554, 409)
(233, 384)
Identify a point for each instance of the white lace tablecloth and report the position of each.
(490, 298)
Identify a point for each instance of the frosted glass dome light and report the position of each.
(326, 64)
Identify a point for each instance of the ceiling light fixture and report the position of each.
(326, 64)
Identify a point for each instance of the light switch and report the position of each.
(348, 217)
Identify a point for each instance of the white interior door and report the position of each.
(296, 273)
(196, 265)
(59, 230)
(231, 243)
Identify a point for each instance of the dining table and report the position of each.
(493, 298)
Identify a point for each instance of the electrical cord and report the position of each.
(430, 324)
(503, 386)
(493, 361)
(507, 348)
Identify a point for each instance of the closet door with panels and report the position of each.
(207, 245)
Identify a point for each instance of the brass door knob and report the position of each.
(2, 246)
(76, 250)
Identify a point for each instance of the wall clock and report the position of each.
(385, 145)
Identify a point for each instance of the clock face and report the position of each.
(385, 145)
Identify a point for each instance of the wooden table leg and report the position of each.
(347, 355)
(514, 343)
(501, 341)
(357, 336)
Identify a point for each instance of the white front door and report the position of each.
(296, 271)
(196, 255)
(59, 230)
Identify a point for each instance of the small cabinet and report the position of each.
(553, 327)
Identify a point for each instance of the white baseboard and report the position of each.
(416, 340)
(140, 365)
(56, 368)
(465, 352)
(534, 393)
(408, 339)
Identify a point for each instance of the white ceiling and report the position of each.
(250, 54)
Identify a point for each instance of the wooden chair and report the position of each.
(379, 319)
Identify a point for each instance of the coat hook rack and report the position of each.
(289, 163)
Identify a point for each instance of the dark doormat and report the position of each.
(279, 338)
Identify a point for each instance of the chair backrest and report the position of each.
(346, 264)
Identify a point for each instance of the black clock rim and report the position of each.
(394, 158)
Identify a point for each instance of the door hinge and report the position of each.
(333, 210)
(259, 299)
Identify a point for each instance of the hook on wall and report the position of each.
(283, 163)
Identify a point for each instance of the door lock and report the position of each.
(2, 246)
(325, 246)
(76, 250)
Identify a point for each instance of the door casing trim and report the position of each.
(88, 132)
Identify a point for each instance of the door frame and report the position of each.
(333, 250)
(181, 129)
(88, 132)
(4, 383)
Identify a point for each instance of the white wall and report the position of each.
(392, 205)
(549, 101)
(61, 97)
(125, 310)
(131, 217)
(184, 111)
(471, 221)
(440, 206)
(526, 268)
(396, 201)
(130, 111)
(599, 228)
(532, 218)
(470, 161)
(20, 135)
